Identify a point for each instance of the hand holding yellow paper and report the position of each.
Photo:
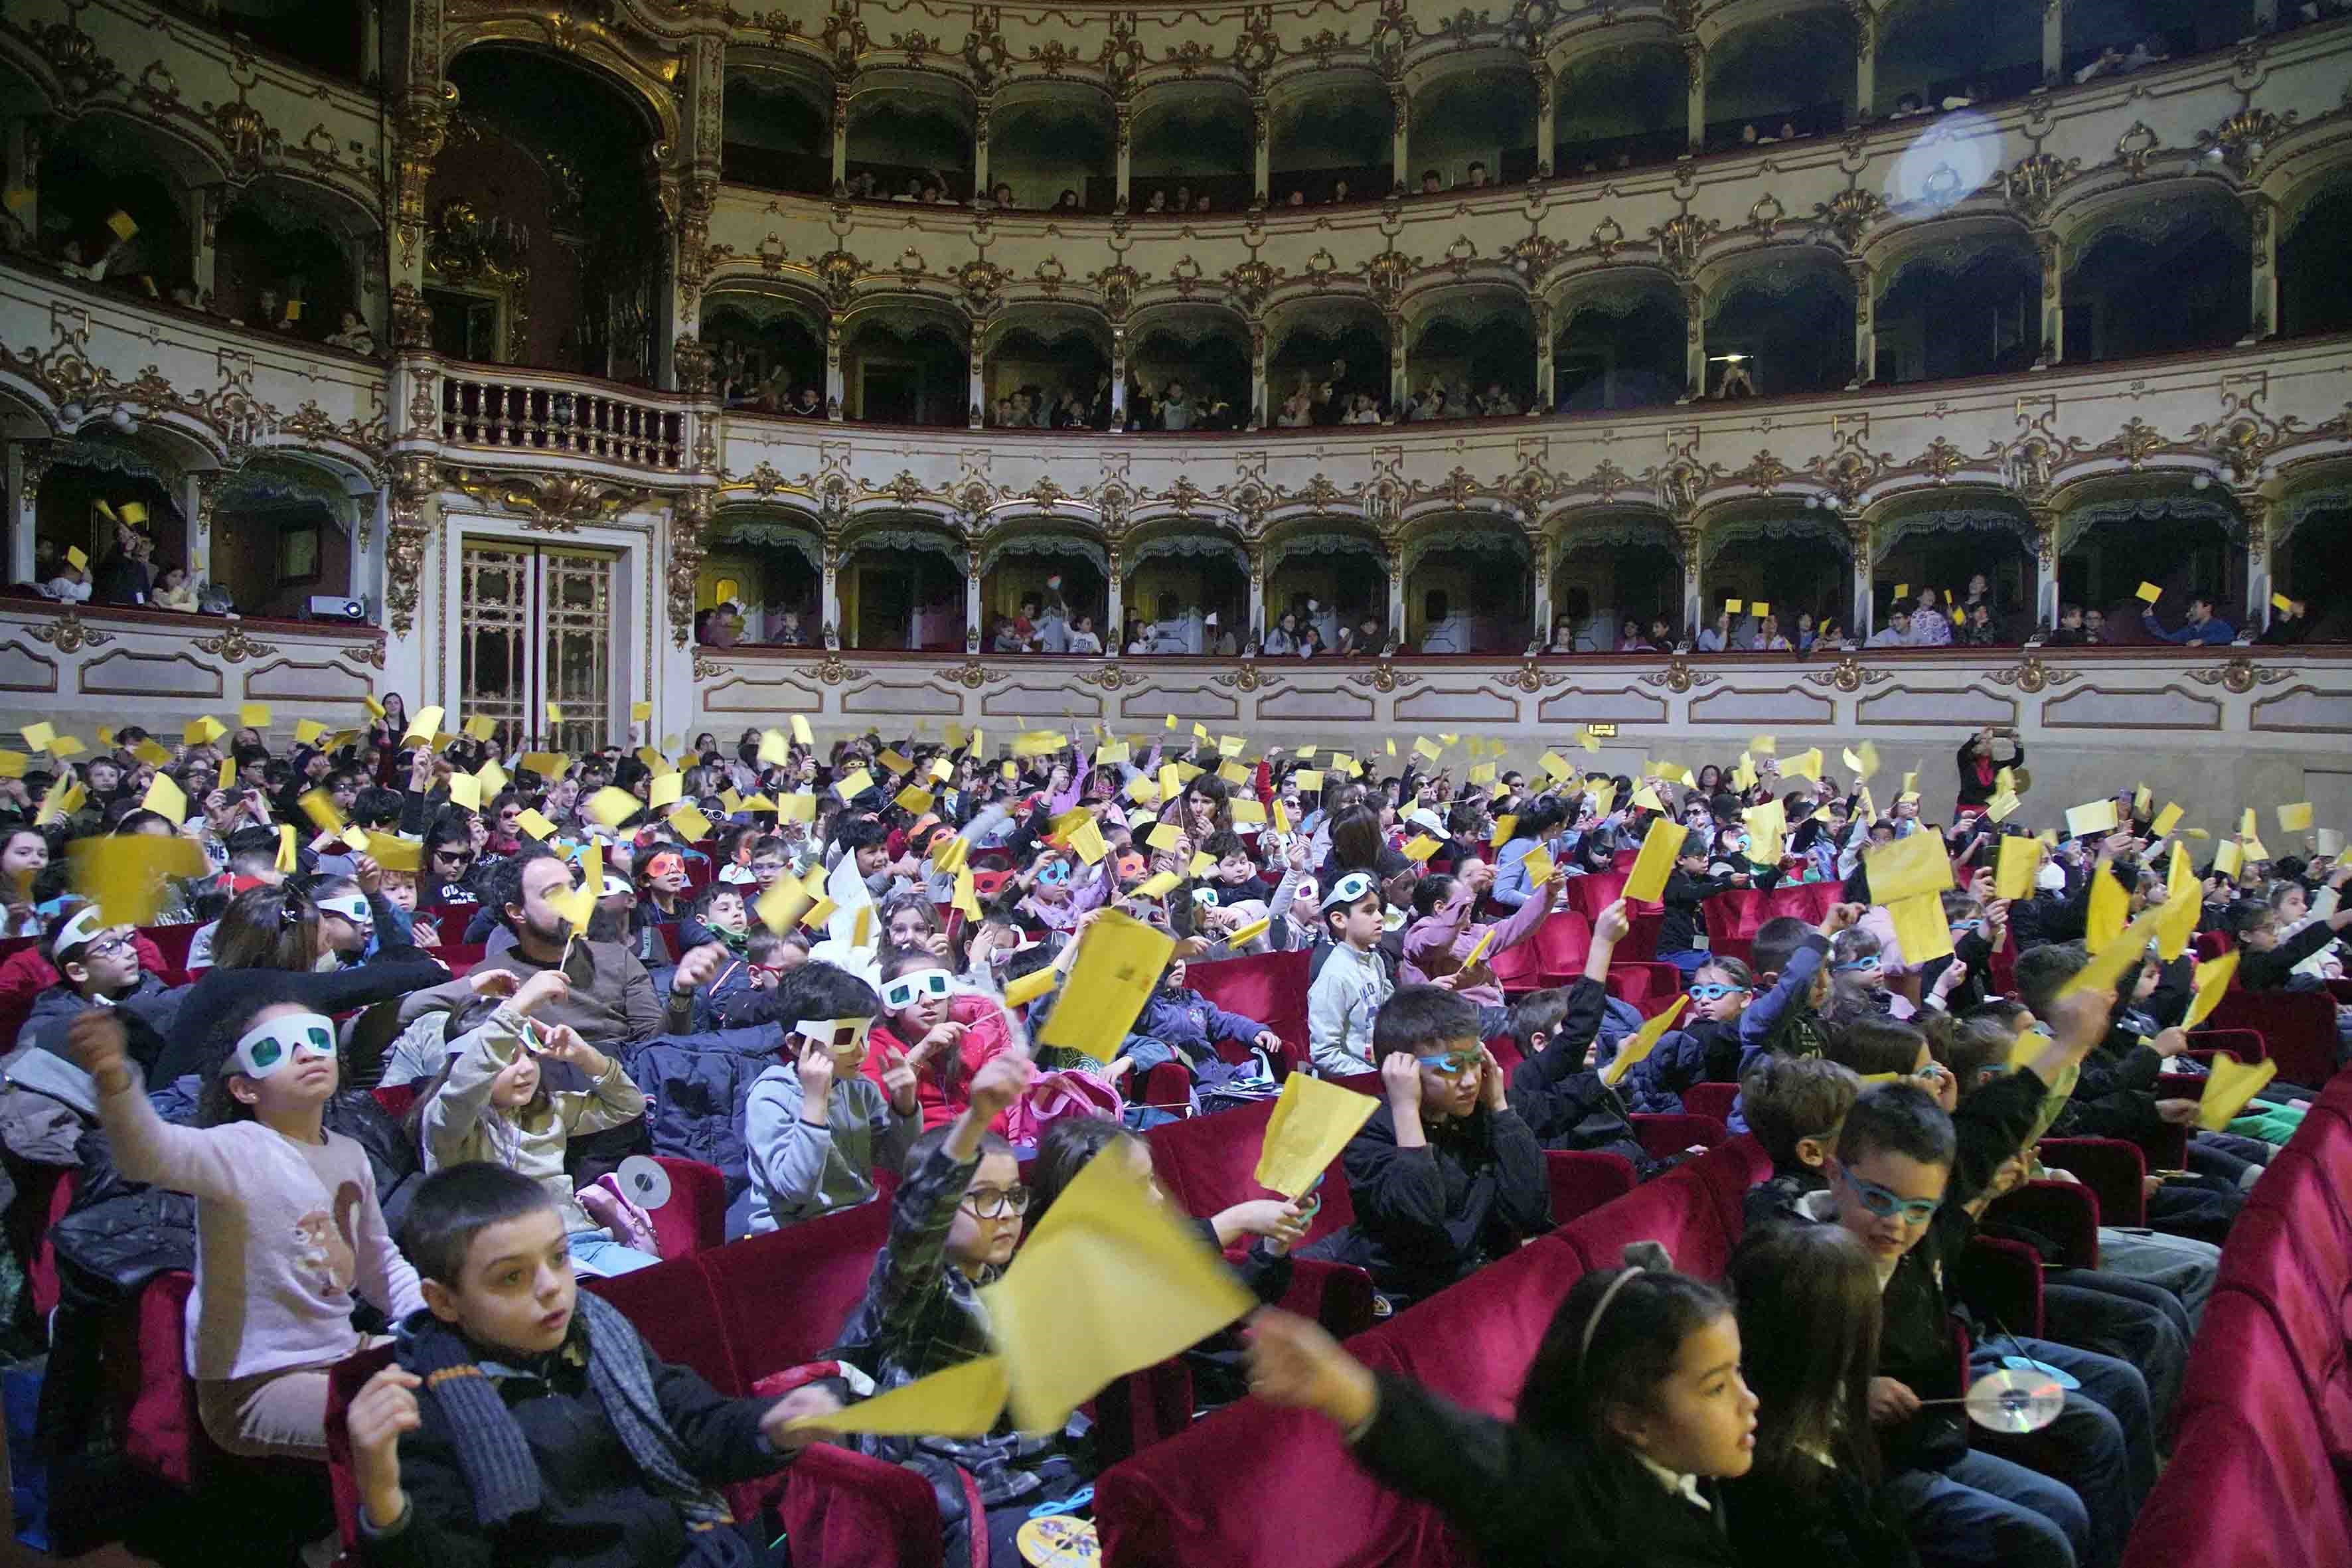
(1119, 963)
(393, 853)
(2091, 816)
(1908, 868)
(124, 875)
(2013, 874)
(2228, 1088)
(2212, 980)
(1311, 1123)
(1660, 846)
(1640, 1044)
(2110, 907)
(964, 1401)
(1921, 931)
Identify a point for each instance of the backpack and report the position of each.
(1073, 1091)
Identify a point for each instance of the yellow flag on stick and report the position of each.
(1311, 1123)
(1640, 1044)
(1119, 963)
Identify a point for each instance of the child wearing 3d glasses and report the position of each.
(288, 1226)
(493, 1102)
(945, 1035)
(816, 1127)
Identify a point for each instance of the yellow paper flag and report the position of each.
(394, 852)
(691, 824)
(306, 731)
(2295, 818)
(532, 822)
(964, 1401)
(425, 726)
(1241, 934)
(286, 860)
(202, 731)
(2148, 592)
(2108, 965)
(1640, 1043)
(1119, 963)
(2013, 874)
(1422, 848)
(612, 806)
(1086, 842)
(125, 875)
(1311, 1123)
(1660, 847)
(1767, 832)
(2166, 821)
(167, 800)
(1539, 866)
(2228, 1088)
(253, 715)
(1029, 987)
(2212, 979)
(1805, 764)
(1908, 868)
(2110, 907)
(782, 906)
(321, 809)
(2229, 859)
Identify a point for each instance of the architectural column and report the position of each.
(1261, 141)
(975, 415)
(1125, 111)
(22, 181)
(1861, 539)
(1114, 600)
(2261, 233)
(840, 135)
(27, 462)
(2054, 298)
(418, 125)
(1694, 342)
(2260, 548)
(980, 183)
(1695, 61)
(1400, 150)
(693, 173)
(1865, 62)
(1865, 324)
(195, 500)
(1399, 385)
(1539, 552)
(204, 212)
(1694, 611)
(1119, 375)
(1547, 116)
(1545, 371)
(1261, 415)
(1254, 632)
(1392, 560)
(971, 630)
(2053, 41)
(829, 597)
(2045, 563)
(372, 42)
(836, 381)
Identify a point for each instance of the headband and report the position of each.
(84, 927)
(1639, 1257)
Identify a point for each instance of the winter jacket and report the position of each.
(800, 1171)
(28, 971)
(1707, 1052)
(987, 1034)
(148, 1015)
(1188, 1022)
(1347, 993)
(697, 1087)
(1564, 1102)
(1427, 1217)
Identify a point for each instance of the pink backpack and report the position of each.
(1073, 1091)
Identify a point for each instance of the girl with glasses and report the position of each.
(1704, 1049)
(946, 1035)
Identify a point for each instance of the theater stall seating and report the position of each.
(2297, 1027)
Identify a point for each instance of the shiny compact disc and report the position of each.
(2015, 1399)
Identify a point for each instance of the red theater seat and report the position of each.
(783, 1297)
(1676, 1210)
(1584, 1179)
(1732, 918)
(1560, 945)
(1715, 1100)
(1649, 988)
(2298, 1028)
(1270, 988)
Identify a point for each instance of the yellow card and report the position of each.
(1230, 745)
(773, 751)
(1312, 1122)
(853, 785)
(2212, 980)
(1233, 773)
(1281, 818)
(1646, 797)
(1158, 886)
(531, 822)
(1539, 866)
(1119, 963)
(1248, 809)
(964, 1401)
(2091, 816)
(665, 789)
(166, 799)
(12, 765)
(1908, 868)
(1555, 767)
(2229, 1086)
(1640, 1044)
(395, 853)
(640, 712)
(1587, 739)
(2229, 858)
(1029, 987)
(1113, 753)
(1310, 781)
(125, 873)
(466, 790)
(1768, 833)
(1342, 763)
(374, 707)
(801, 732)
(321, 809)
(555, 713)
(1111, 1282)
(913, 800)
(2148, 592)
(1086, 842)
(1424, 747)
(1919, 928)
(782, 906)
(2021, 859)
(1391, 744)
(612, 806)
(1166, 836)
(1734, 606)
(1504, 827)
(2107, 965)
(2110, 909)
(1805, 764)
(1248, 933)
(1172, 783)
(2166, 821)
(425, 726)
(286, 860)
(253, 715)
(1758, 609)
(124, 225)
(1660, 846)
(202, 731)
(1422, 848)
(798, 806)
(2295, 818)
(306, 731)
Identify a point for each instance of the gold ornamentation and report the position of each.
(707, 668)
(2241, 676)
(1848, 675)
(2031, 674)
(2136, 146)
(833, 670)
(689, 520)
(2031, 183)
(2244, 136)
(1384, 676)
(1849, 214)
(69, 633)
(1249, 677)
(970, 673)
(414, 479)
(370, 653)
(1678, 676)
(234, 647)
(1109, 676)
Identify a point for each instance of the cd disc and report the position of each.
(2014, 1400)
(644, 1181)
(1058, 1540)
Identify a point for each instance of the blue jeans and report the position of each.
(1984, 1512)
(596, 1252)
(2103, 1445)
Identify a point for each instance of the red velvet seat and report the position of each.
(1588, 896)
(1807, 902)
(1676, 1210)
(2297, 1027)
(1729, 1169)
(783, 1297)
(1664, 1135)
(1732, 918)
(2223, 1500)
(1716, 1099)
(49, 1190)
(344, 1385)
(695, 1219)
(1560, 945)
(1518, 970)
(1584, 1179)
(172, 942)
(2245, 1045)
(1649, 988)
(1270, 988)
(2266, 1262)
(156, 1399)
(1511, 1301)
(675, 1308)
(1641, 943)
(2111, 1169)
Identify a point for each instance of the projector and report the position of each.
(333, 608)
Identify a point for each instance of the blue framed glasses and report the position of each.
(1864, 965)
(1887, 1204)
(1452, 1064)
(1968, 927)
(1712, 991)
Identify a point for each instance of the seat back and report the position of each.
(1268, 986)
(1714, 1099)
(1560, 944)
(172, 942)
(783, 1297)
(1732, 919)
(695, 1219)
(1588, 896)
(344, 1385)
(1651, 988)
(1809, 901)
(1209, 1164)
(2298, 1028)
(1676, 1210)
(1584, 1179)
(676, 1310)
(1508, 1305)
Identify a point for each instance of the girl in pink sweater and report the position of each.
(287, 1224)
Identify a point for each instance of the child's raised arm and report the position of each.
(146, 1147)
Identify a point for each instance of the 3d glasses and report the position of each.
(839, 1036)
(269, 1047)
(906, 989)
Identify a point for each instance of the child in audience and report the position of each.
(1353, 982)
(717, 915)
(1791, 964)
(816, 1127)
(524, 1422)
(1190, 1026)
(1564, 1101)
(1809, 1331)
(1688, 886)
(1442, 934)
(946, 1036)
(1796, 1106)
(287, 1221)
(1857, 977)
(1445, 1176)
(1877, 1048)
(1706, 1049)
(954, 1223)
(493, 1103)
(1632, 1409)
(743, 993)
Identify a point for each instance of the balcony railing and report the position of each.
(481, 408)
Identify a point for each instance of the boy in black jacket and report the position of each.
(1564, 1101)
(525, 1423)
(1909, 1182)
(1445, 1176)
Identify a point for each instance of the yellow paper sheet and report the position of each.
(914, 800)
(665, 789)
(1119, 962)
(2148, 592)
(2091, 816)
(202, 731)
(799, 806)
(1420, 849)
(1250, 932)
(1660, 847)
(394, 852)
(1805, 764)
(321, 809)
(549, 765)
(1919, 928)
(853, 785)
(1234, 773)
(1767, 832)
(2295, 818)
(426, 723)
(782, 906)
(1248, 809)
(691, 824)
(1539, 866)
(306, 731)
(286, 859)
(2229, 859)
(1641, 1043)
(2013, 874)
(1342, 763)
(2212, 979)
(801, 734)
(1908, 868)
(1311, 1123)
(2107, 965)
(612, 806)
(125, 875)
(2166, 821)
(950, 851)
(1158, 886)
(167, 800)
(964, 1401)
(531, 821)
(1111, 1282)
(1086, 842)
(1029, 987)
(2228, 1088)
(2110, 909)
(253, 715)
(774, 750)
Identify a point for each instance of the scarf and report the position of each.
(491, 1450)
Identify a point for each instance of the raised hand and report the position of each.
(1613, 925)
(815, 1067)
(899, 1081)
(1401, 1078)
(382, 1410)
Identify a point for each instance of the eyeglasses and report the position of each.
(1868, 965)
(1967, 927)
(1711, 992)
(907, 989)
(1452, 1064)
(997, 1203)
(108, 946)
(454, 856)
(1888, 1204)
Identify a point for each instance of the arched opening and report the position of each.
(2158, 529)
(1469, 585)
(2118, 36)
(1329, 340)
(324, 34)
(1054, 146)
(1200, 351)
(1472, 354)
(1614, 565)
(912, 134)
(1620, 345)
(1331, 140)
(1324, 572)
(1781, 77)
(1968, 548)
(778, 131)
(1622, 108)
(1474, 127)
(281, 532)
(2310, 564)
(1050, 576)
(906, 361)
(276, 265)
(545, 245)
(1948, 54)
(770, 565)
(1190, 144)
(115, 502)
(1790, 559)
(1790, 319)
(114, 206)
(2314, 286)
(767, 351)
(2188, 247)
(1970, 307)
(1186, 591)
(901, 586)
(1047, 367)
